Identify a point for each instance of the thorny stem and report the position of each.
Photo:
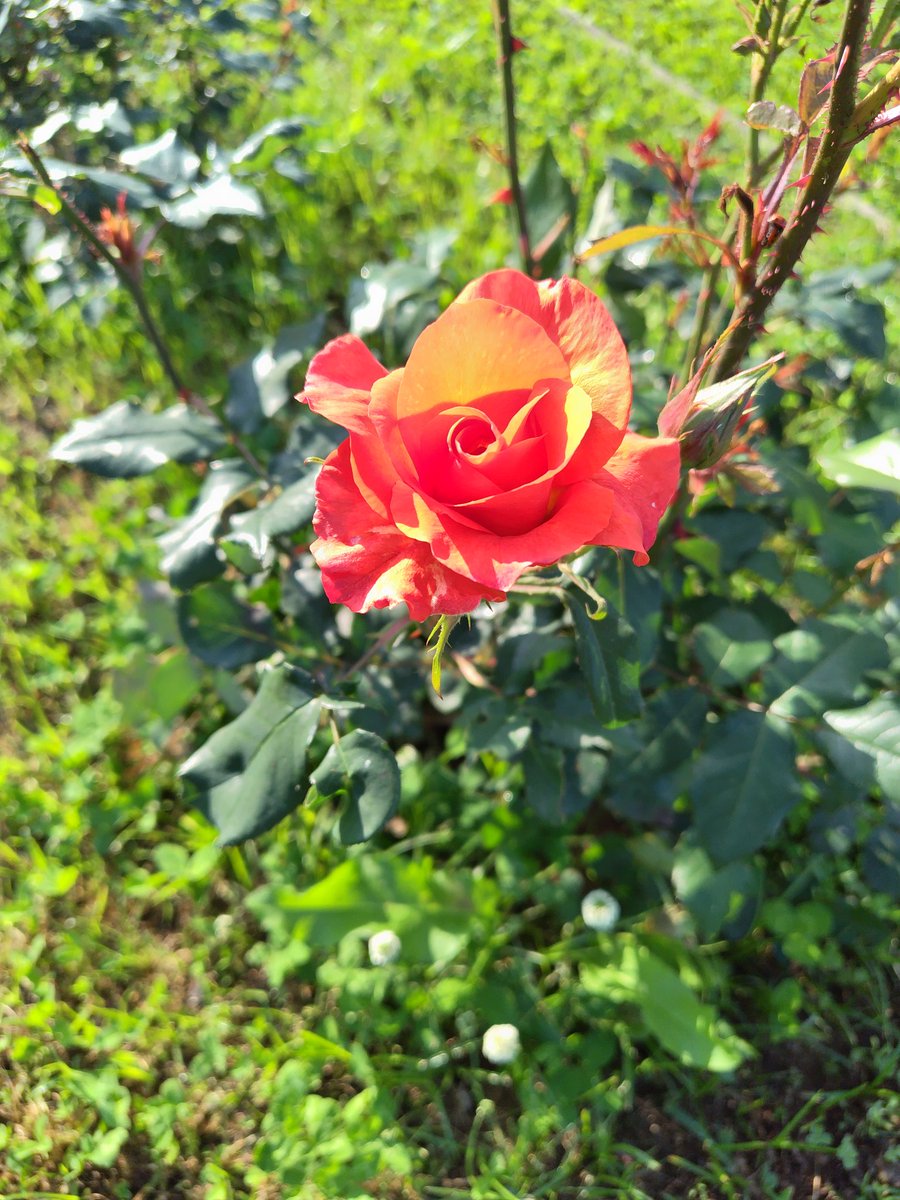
(132, 282)
(845, 124)
(503, 30)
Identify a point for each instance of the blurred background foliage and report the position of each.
(185, 1020)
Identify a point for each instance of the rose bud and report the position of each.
(710, 427)
(501, 446)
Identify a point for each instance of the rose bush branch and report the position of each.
(762, 63)
(846, 123)
(505, 56)
(130, 276)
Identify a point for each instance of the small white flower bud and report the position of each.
(600, 910)
(501, 1044)
(384, 947)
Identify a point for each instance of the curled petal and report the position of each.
(339, 382)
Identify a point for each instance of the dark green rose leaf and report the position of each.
(821, 665)
(188, 549)
(363, 767)
(223, 631)
(252, 772)
(744, 784)
(731, 647)
(650, 754)
(125, 440)
(258, 387)
(609, 657)
(252, 532)
(381, 289)
(550, 206)
(864, 744)
(560, 784)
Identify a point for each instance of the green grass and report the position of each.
(163, 1033)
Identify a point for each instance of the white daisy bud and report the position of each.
(384, 947)
(501, 1044)
(600, 910)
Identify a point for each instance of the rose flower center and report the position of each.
(472, 437)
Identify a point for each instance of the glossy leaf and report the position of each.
(874, 463)
(550, 206)
(188, 549)
(731, 647)
(821, 665)
(258, 387)
(125, 440)
(281, 127)
(221, 630)
(865, 743)
(610, 662)
(363, 767)
(167, 158)
(255, 529)
(382, 289)
(221, 196)
(744, 784)
(252, 772)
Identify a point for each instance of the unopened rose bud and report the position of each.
(501, 1044)
(600, 910)
(384, 948)
(710, 426)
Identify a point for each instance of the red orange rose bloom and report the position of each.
(501, 446)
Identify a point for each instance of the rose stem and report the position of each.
(846, 123)
(382, 642)
(132, 282)
(504, 41)
(760, 71)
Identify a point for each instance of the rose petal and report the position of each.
(644, 477)
(578, 322)
(473, 350)
(562, 414)
(367, 562)
(339, 382)
(497, 561)
(599, 444)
